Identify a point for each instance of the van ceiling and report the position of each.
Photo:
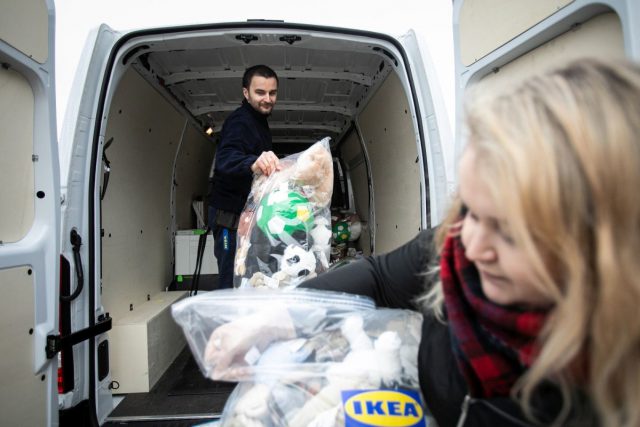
(325, 78)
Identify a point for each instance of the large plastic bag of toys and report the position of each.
(305, 357)
(284, 234)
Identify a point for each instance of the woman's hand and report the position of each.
(226, 351)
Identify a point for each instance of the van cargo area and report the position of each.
(165, 90)
(101, 222)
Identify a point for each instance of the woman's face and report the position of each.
(505, 272)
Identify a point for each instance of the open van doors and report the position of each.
(29, 213)
(51, 254)
(54, 347)
(501, 42)
(84, 377)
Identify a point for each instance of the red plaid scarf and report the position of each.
(493, 344)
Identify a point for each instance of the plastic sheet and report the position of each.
(306, 357)
(284, 232)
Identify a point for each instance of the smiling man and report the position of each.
(244, 149)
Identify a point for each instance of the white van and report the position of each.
(88, 226)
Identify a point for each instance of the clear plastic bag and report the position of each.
(284, 232)
(305, 357)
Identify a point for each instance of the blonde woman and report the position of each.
(532, 315)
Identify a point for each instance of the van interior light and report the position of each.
(208, 130)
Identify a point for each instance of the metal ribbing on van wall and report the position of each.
(372, 214)
(172, 192)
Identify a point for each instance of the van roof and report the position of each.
(326, 74)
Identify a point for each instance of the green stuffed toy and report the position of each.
(341, 232)
(284, 212)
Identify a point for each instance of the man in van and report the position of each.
(244, 149)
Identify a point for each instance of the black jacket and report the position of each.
(245, 135)
(394, 280)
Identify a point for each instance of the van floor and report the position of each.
(182, 397)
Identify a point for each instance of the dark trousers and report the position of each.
(224, 248)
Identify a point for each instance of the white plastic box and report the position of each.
(186, 247)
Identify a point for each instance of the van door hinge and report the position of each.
(55, 343)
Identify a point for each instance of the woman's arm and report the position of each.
(392, 280)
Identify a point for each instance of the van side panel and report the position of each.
(387, 129)
(16, 164)
(356, 168)
(29, 213)
(16, 364)
(599, 36)
(578, 29)
(506, 19)
(24, 24)
(191, 176)
(136, 217)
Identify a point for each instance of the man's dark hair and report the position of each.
(257, 70)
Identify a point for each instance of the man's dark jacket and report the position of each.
(245, 135)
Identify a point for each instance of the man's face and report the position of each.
(262, 94)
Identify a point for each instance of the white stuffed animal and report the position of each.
(296, 266)
(321, 235)
(369, 365)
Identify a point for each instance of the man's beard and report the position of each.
(267, 114)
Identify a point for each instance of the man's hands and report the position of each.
(266, 164)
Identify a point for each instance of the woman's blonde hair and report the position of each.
(561, 155)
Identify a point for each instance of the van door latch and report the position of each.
(55, 343)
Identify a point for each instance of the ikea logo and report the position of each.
(392, 408)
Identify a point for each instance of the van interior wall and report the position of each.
(136, 213)
(17, 214)
(17, 105)
(599, 36)
(387, 129)
(191, 179)
(355, 165)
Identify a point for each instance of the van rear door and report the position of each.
(437, 146)
(85, 362)
(29, 213)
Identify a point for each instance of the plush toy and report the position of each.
(355, 227)
(288, 207)
(242, 249)
(314, 172)
(285, 215)
(296, 265)
(296, 262)
(298, 359)
(368, 365)
(341, 232)
(321, 236)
